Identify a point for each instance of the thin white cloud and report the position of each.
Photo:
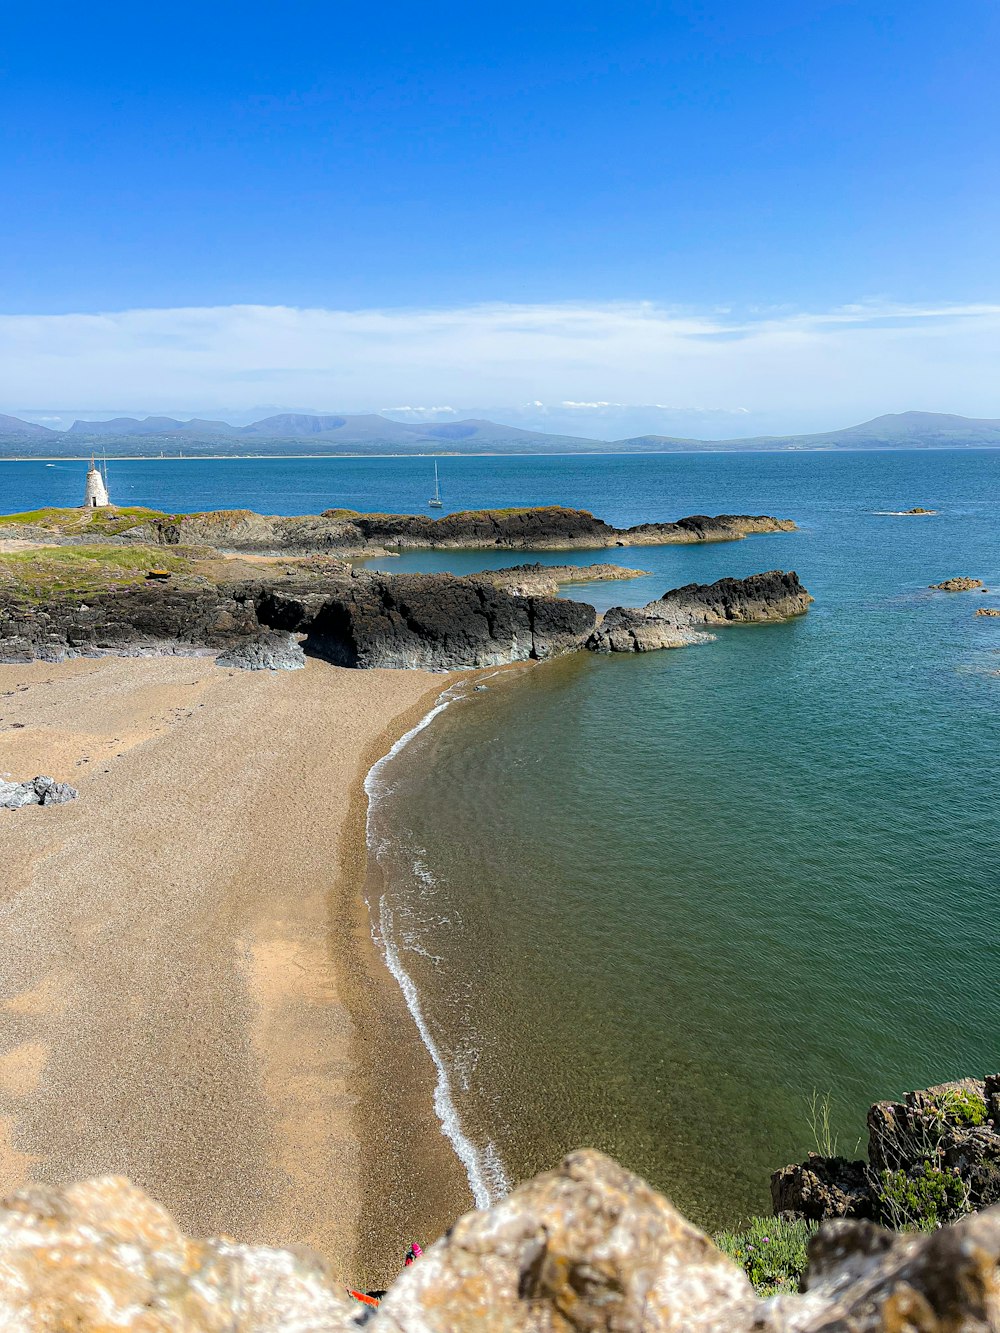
(855, 360)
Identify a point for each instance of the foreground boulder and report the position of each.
(676, 618)
(39, 791)
(587, 1248)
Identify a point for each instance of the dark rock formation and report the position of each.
(936, 1152)
(672, 621)
(823, 1187)
(587, 1248)
(38, 791)
(960, 584)
(552, 528)
(433, 621)
(134, 621)
(271, 650)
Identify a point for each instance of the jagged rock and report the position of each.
(823, 1187)
(134, 621)
(587, 1248)
(670, 621)
(942, 1141)
(272, 650)
(960, 584)
(432, 621)
(918, 510)
(39, 791)
(101, 1255)
(988, 611)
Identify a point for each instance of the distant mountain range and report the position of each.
(291, 433)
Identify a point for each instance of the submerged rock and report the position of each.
(39, 791)
(673, 620)
(587, 1248)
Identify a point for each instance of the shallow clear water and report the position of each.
(651, 903)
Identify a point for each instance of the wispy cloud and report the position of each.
(856, 359)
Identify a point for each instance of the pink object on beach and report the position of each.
(414, 1252)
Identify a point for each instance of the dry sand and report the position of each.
(184, 965)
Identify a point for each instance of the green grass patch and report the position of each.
(771, 1251)
(72, 522)
(56, 572)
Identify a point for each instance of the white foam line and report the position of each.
(444, 1105)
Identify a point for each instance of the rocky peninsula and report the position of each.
(138, 590)
(350, 534)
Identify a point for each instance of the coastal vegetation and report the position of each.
(54, 573)
(771, 1251)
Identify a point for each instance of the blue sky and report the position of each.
(731, 161)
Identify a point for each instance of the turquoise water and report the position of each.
(651, 903)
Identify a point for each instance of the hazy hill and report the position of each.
(896, 430)
(293, 432)
(13, 428)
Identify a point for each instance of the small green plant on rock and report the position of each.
(959, 1106)
(922, 1199)
(771, 1251)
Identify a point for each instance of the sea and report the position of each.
(661, 904)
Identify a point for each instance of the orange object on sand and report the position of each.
(363, 1297)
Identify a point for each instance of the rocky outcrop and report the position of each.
(431, 621)
(537, 580)
(674, 619)
(344, 530)
(38, 791)
(271, 650)
(960, 584)
(139, 620)
(364, 619)
(988, 611)
(933, 1156)
(587, 1248)
(822, 1188)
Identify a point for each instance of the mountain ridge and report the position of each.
(371, 432)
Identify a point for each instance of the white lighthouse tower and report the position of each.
(96, 496)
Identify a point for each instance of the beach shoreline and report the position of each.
(190, 985)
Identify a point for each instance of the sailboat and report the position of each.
(436, 503)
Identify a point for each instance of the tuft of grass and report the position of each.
(819, 1122)
(771, 1251)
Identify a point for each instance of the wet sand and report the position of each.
(189, 994)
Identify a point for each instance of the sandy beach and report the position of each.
(189, 991)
